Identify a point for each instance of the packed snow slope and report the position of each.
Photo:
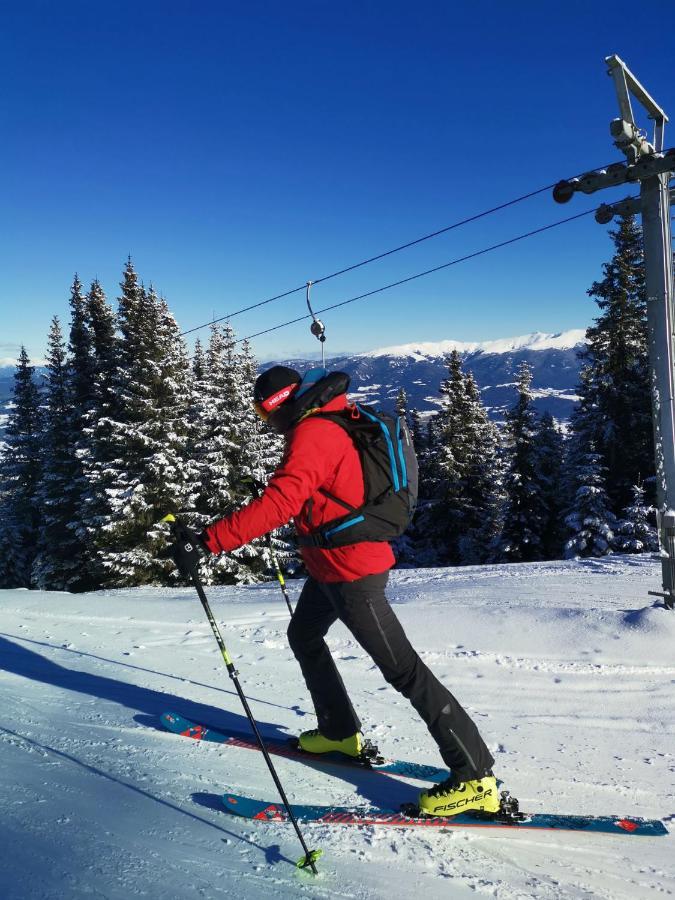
(568, 669)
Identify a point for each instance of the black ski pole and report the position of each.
(310, 857)
(256, 486)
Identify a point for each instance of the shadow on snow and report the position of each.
(378, 788)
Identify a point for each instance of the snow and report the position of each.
(538, 340)
(9, 362)
(538, 393)
(567, 668)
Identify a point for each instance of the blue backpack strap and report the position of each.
(390, 446)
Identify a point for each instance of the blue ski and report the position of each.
(266, 811)
(180, 725)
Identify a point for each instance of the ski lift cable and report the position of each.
(454, 262)
(373, 259)
(379, 256)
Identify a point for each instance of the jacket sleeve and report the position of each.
(313, 453)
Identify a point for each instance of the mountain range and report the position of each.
(419, 368)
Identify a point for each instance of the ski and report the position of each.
(265, 811)
(289, 749)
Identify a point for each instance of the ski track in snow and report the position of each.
(567, 668)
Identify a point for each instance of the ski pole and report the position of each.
(310, 857)
(255, 487)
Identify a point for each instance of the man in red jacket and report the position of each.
(319, 476)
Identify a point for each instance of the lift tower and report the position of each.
(652, 168)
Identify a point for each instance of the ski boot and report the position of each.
(314, 742)
(354, 746)
(452, 797)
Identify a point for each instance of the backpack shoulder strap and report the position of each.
(343, 421)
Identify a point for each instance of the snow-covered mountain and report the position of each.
(420, 367)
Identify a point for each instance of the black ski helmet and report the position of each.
(273, 388)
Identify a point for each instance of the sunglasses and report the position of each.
(260, 410)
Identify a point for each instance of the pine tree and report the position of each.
(20, 473)
(259, 449)
(420, 547)
(614, 412)
(463, 514)
(634, 532)
(148, 438)
(81, 370)
(96, 449)
(417, 432)
(198, 364)
(81, 378)
(426, 440)
(590, 521)
(525, 512)
(229, 446)
(102, 327)
(257, 453)
(58, 562)
(212, 443)
(402, 403)
(482, 495)
(550, 452)
(215, 448)
(446, 516)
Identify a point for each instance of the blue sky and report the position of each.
(236, 150)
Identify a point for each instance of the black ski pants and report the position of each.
(362, 606)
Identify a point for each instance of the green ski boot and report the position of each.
(314, 742)
(451, 797)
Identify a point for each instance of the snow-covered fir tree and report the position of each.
(212, 444)
(198, 365)
(614, 411)
(483, 487)
(96, 449)
(590, 522)
(551, 451)
(20, 473)
(418, 549)
(426, 439)
(525, 513)
(401, 405)
(259, 448)
(230, 451)
(635, 531)
(463, 473)
(82, 374)
(257, 453)
(57, 563)
(81, 366)
(147, 438)
(417, 432)
(446, 466)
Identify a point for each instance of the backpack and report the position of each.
(390, 480)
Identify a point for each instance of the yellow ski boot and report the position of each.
(451, 797)
(314, 742)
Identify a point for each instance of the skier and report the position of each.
(319, 477)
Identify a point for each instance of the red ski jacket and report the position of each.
(319, 454)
